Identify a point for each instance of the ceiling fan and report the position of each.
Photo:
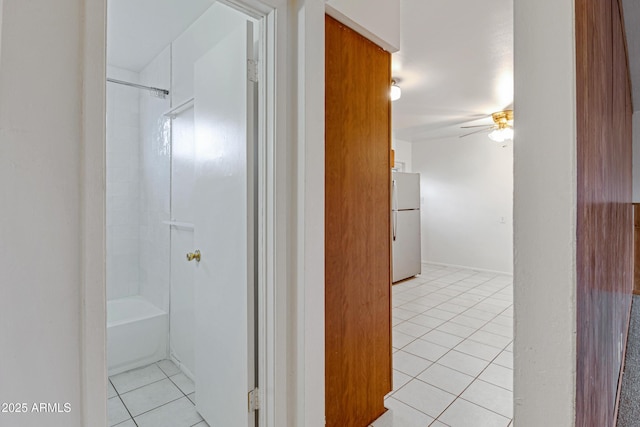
(502, 127)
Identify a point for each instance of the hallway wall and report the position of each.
(41, 253)
(604, 254)
(544, 213)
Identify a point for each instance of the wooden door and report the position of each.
(357, 227)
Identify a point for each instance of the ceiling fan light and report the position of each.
(501, 135)
(496, 135)
(508, 133)
(395, 93)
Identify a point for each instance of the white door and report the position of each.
(223, 232)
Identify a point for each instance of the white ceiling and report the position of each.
(137, 30)
(455, 66)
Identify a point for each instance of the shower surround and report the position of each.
(138, 205)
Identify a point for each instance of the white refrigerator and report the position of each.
(405, 218)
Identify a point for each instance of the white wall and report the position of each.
(306, 387)
(403, 154)
(41, 256)
(377, 20)
(545, 214)
(466, 188)
(155, 182)
(123, 189)
(636, 157)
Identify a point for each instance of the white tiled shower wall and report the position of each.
(155, 182)
(138, 184)
(123, 190)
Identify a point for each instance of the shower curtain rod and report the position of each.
(155, 90)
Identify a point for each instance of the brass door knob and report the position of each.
(193, 255)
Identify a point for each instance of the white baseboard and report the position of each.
(483, 270)
(181, 366)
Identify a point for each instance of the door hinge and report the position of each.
(252, 70)
(254, 400)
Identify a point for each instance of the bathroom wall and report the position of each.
(192, 44)
(138, 184)
(155, 182)
(123, 191)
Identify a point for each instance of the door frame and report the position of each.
(291, 290)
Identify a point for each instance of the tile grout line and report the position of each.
(128, 412)
(142, 367)
(123, 404)
(160, 406)
(181, 391)
(184, 395)
(453, 297)
(152, 382)
(501, 349)
(468, 337)
(459, 396)
(458, 336)
(495, 315)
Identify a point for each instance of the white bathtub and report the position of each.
(137, 334)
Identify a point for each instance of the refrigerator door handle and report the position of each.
(395, 224)
(394, 195)
(394, 207)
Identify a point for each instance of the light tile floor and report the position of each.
(158, 395)
(452, 350)
(452, 360)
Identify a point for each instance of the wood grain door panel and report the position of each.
(357, 227)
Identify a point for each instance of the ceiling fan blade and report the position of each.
(477, 131)
(476, 126)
